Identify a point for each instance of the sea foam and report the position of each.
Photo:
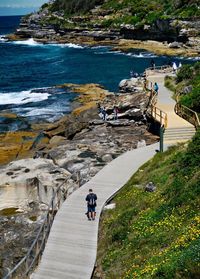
(22, 97)
(2, 38)
(29, 42)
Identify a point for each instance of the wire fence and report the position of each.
(28, 263)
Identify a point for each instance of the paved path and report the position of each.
(167, 104)
(71, 249)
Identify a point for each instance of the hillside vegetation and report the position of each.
(156, 234)
(186, 86)
(188, 80)
(131, 11)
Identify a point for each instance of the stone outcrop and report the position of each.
(50, 27)
(131, 85)
(15, 145)
(79, 145)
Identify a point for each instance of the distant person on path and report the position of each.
(116, 111)
(91, 205)
(174, 66)
(180, 65)
(153, 64)
(155, 87)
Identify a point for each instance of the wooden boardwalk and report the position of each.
(178, 129)
(71, 249)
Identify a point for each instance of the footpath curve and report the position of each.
(71, 248)
(178, 129)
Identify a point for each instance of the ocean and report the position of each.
(29, 70)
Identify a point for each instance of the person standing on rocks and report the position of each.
(91, 205)
(104, 113)
(116, 111)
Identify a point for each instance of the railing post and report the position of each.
(161, 117)
(161, 138)
(79, 178)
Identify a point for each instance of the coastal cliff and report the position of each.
(175, 26)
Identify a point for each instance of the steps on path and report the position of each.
(179, 134)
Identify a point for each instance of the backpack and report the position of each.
(156, 87)
(92, 199)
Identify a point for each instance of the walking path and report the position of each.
(167, 104)
(71, 249)
(178, 129)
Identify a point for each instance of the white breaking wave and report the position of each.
(96, 47)
(196, 58)
(2, 38)
(73, 46)
(50, 114)
(29, 42)
(22, 97)
(142, 55)
(130, 54)
(40, 111)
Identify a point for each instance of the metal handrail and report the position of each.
(159, 115)
(158, 68)
(188, 114)
(33, 256)
(153, 110)
(34, 253)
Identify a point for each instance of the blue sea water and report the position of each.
(28, 70)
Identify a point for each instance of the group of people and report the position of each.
(103, 113)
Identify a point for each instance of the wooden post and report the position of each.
(161, 138)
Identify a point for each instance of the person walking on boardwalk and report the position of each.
(91, 204)
(174, 66)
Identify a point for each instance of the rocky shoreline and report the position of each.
(41, 156)
(164, 37)
(75, 147)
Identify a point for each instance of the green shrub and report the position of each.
(185, 72)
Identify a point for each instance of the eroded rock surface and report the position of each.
(78, 147)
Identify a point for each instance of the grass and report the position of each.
(170, 83)
(155, 235)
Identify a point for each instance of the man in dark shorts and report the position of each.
(91, 204)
